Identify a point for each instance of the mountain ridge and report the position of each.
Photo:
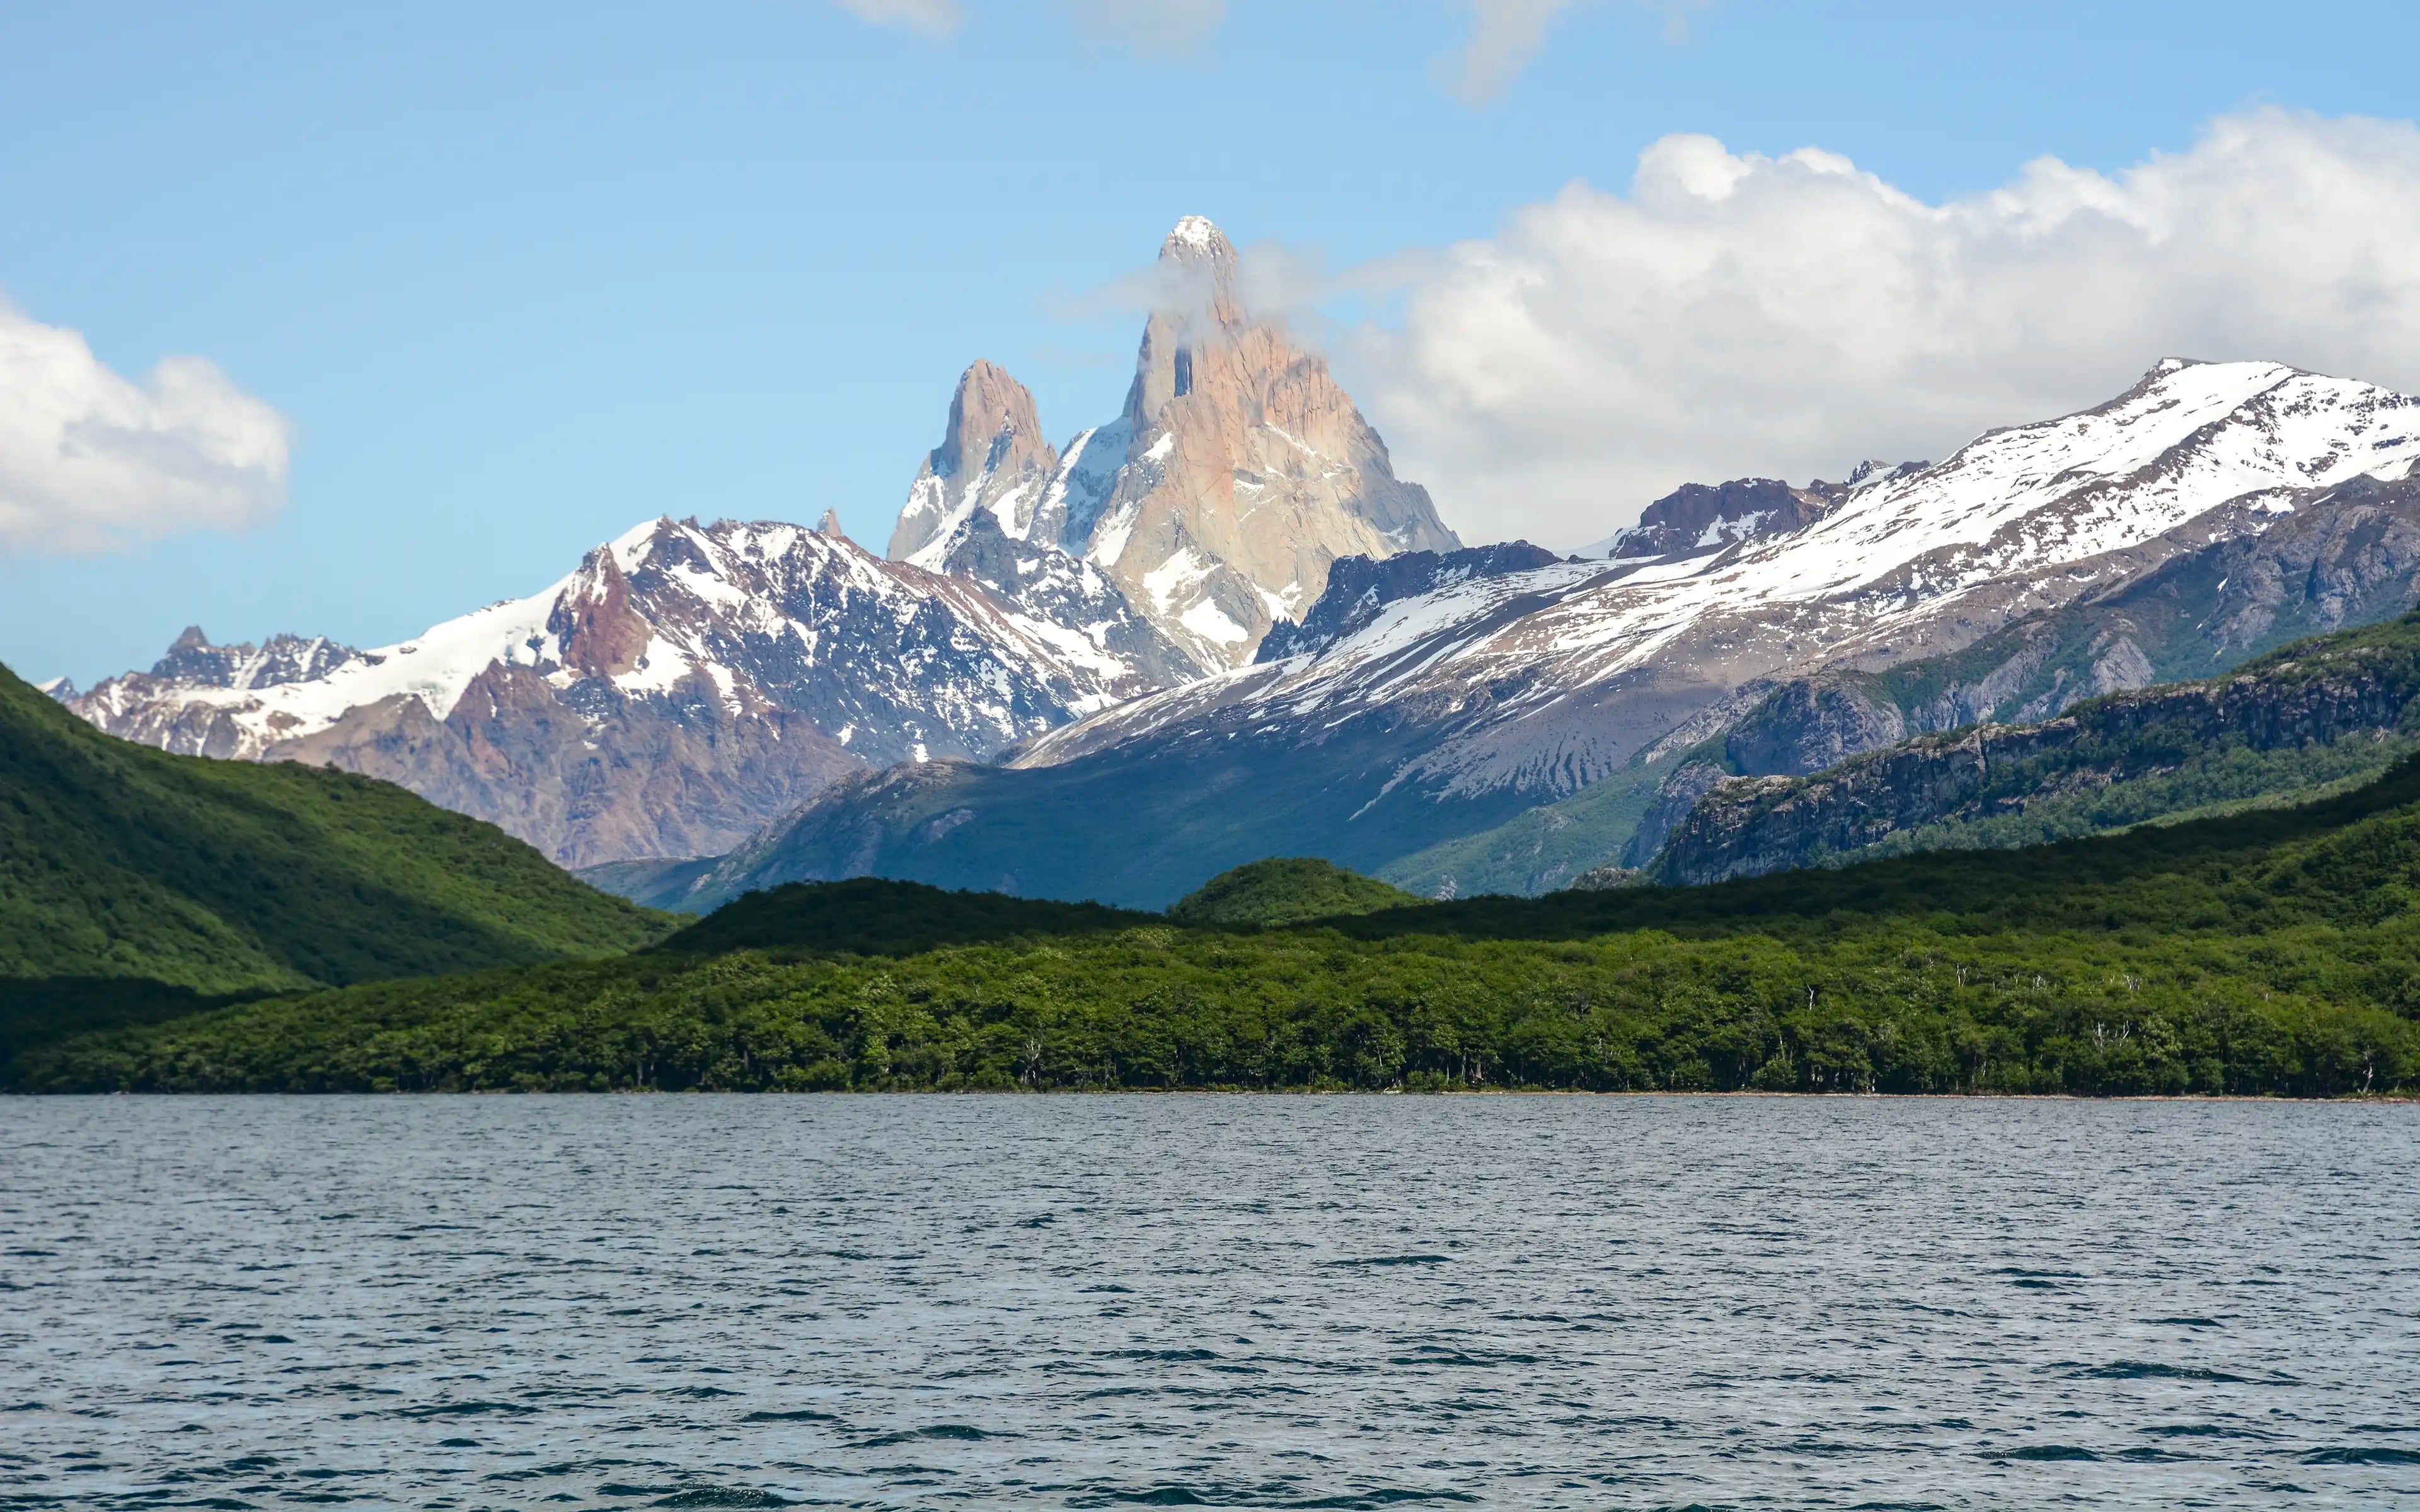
(2339, 707)
(684, 685)
(688, 683)
(1445, 715)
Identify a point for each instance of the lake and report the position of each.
(1284, 1302)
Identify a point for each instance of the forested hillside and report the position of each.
(121, 864)
(2273, 951)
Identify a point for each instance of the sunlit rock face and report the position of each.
(1216, 502)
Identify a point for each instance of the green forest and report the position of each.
(136, 885)
(2272, 951)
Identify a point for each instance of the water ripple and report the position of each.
(1395, 1303)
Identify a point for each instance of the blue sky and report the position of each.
(517, 277)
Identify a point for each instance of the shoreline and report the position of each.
(2399, 1098)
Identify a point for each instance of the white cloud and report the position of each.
(90, 462)
(1738, 315)
(1154, 25)
(934, 18)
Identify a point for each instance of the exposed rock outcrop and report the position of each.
(1358, 588)
(1237, 472)
(992, 459)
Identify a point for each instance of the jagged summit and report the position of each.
(1237, 472)
(284, 658)
(1196, 236)
(992, 456)
(683, 684)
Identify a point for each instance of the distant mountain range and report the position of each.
(1489, 720)
(689, 683)
(1217, 628)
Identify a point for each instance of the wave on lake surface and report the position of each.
(1095, 1302)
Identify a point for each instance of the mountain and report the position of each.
(1216, 501)
(1517, 724)
(691, 682)
(684, 686)
(2329, 711)
(2345, 556)
(2261, 953)
(120, 864)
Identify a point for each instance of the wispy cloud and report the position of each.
(934, 18)
(1734, 314)
(1505, 35)
(1161, 27)
(1165, 27)
(93, 462)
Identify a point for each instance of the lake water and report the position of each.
(1098, 1302)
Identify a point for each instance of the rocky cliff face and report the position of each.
(2357, 688)
(1238, 473)
(686, 684)
(990, 507)
(1360, 588)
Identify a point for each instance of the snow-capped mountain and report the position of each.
(1449, 712)
(689, 681)
(1909, 560)
(1237, 472)
(684, 685)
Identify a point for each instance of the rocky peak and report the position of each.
(1248, 470)
(1215, 504)
(992, 456)
(285, 658)
(992, 423)
(601, 633)
(1197, 238)
(1695, 518)
(1195, 308)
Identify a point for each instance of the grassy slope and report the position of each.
(121, 863)
(2276, 950)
